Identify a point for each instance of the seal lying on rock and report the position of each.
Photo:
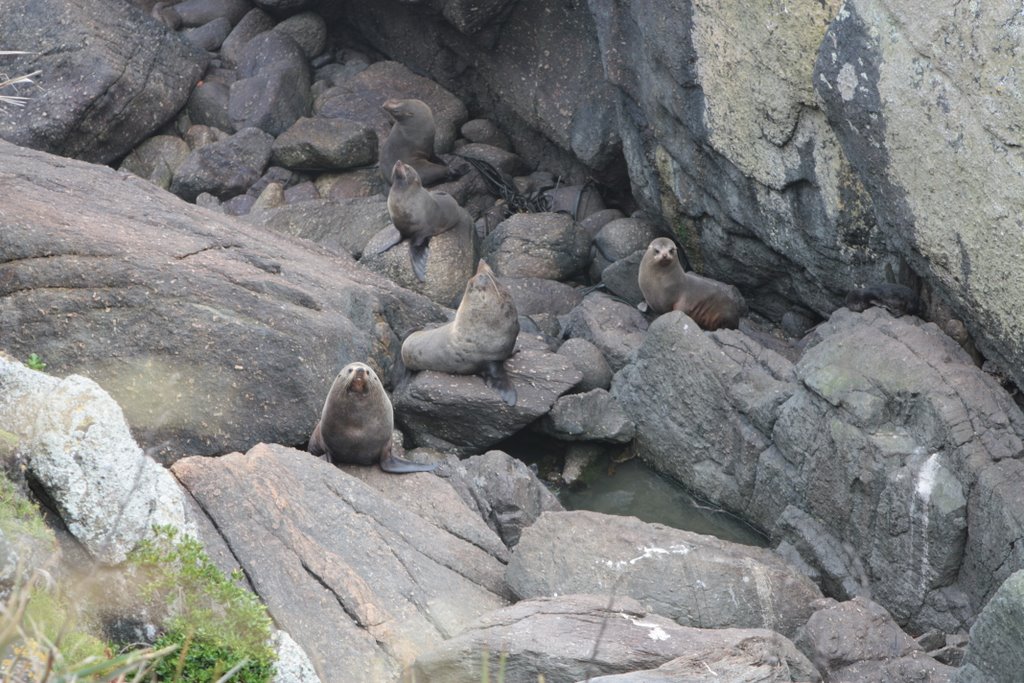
(897, 299)
(667, 287)
(482, 335)
(411, 139)
(419, 214)
(356, 423)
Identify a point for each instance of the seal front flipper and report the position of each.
(418, 253)
(389, 462)
(316, 444)
(496, 378)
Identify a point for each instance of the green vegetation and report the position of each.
(35, 362)
(219, 626)
(19, 515)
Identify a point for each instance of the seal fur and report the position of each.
(411, 139)
(478, 340)
(419, 214)
(667, 287)
(356, 423)
(899, 300)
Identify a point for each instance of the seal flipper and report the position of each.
(389, 462)
(316, 444)
(496, 378)
(418, 253)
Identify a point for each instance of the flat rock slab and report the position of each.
(361, 581)
(211, 333)
(696, 580)
(575, 637)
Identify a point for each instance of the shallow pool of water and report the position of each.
(632, 488)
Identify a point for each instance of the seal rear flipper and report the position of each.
(389, 462)
(418, 253)
(496, 378)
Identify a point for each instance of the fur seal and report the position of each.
(411, 139)
(667, 287)
(482, 335)
(419, 214)
(897, 299)
(356, 423)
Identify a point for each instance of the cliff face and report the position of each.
(799, 148)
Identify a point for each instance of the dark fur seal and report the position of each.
(356, 423)
(482, 335)
(411, 139)
(419, 214)
(897, 299)
(667, 287)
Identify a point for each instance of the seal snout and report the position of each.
(400, 170)
(359, 382)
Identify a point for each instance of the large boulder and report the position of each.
(210, 332)
(577, 637)
(728, 585)
(993, 652)
(937, 150)
(360, 580)
(881, 458)
(109, 76)
(79, 452)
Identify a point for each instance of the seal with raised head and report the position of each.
(477, 341)
(667, 287)
(356, 423)
(419, 214)
(411, 139)
(897, 299)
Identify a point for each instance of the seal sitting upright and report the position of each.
(482, 335)
(667, 287)
(411, 139)
(356, 423)
(419, 214)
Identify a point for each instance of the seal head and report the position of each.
(356, 423)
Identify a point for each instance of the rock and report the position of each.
(591, 416)
(344, 226)
(859, 641)
(730, 585)
(616, 328)
(622, 278)
(993, 652)
(593, 223)
(505, 161)
(534, 296)
(210, 332)
(105, 86)
(301, 193)
(921, 156)
(208, 105)
(360, 182)
(580, 637)
(461, 413)
(225, 168)
(589, 360)
(281, 6)
(619, 239)
(359, 580)
(505, 492)
(540, 245)
(486, 132)
(209, 36)
(200, 12)
(272, 90)
(157, 159)
(325, 145)
(360, 99)
(292, 665)
(80, 453)
(255, 22)
(308, 29)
